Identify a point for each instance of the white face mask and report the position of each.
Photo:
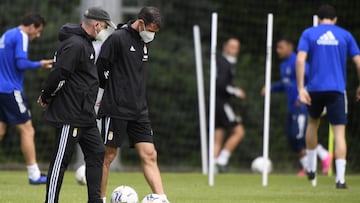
(147, 36)
(103, 34)
(231, 59)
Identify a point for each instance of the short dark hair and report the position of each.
(326, 11)
(33, 18)
(286, 39)
(150, 15)
(228, 38)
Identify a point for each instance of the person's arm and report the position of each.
(106, 59)
(300, 75)
(68, 59)
(21, 55)
(356, 60)
(25, 64)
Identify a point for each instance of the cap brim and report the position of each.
(111, 24)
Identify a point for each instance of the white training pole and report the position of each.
(201, 98)
(267, 97)
(315, 20)
(212, 97)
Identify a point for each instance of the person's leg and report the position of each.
(148, 156)
(3, 127)
(27, 134)
(230, 145)
(66, 138)
(296, 128)
(110, 154)
(112, 133)
(311, 144)
(219, 140)
(94, 150)
(337, 115)
(340, 152)
(325, 158)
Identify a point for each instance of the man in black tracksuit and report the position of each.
(70, 93)
(122, 72)
(225, 118)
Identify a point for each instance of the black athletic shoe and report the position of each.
(221, 168)
(341, 185)
(310, 175)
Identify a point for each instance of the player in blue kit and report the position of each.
(296, 111)
(326, 48)
(14, 110)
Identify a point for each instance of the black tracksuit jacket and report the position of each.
(72, 84)
(122, 73)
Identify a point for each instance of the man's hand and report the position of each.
(304, 96)
(46, 63)
(263, 91)
(240, 93)
(358, 94)
(41, 102)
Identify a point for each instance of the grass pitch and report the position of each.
(193, 188)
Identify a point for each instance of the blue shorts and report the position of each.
(296, 129)
(14, 108)
(335, 103)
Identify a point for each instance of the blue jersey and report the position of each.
(13, 60)
(288, 83)
(327, 47)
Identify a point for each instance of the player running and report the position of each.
(14, 110)
(326, 48)
(225, 118)
(296, 111)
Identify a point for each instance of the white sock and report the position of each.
(223, 158)
(312, 162)
(104, 199)
(340, 165)
(163, 196)
(33, 171)
(304, 162)
(322, 152)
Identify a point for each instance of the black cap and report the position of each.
(97, 13)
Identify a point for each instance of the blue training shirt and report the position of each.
(327, 47)
(288, 82)
(14, 61)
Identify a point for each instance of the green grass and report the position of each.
(193, 188)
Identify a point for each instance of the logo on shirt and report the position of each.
(328, 38)
(132, 48)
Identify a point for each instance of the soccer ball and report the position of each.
(80, 175)
(124, 194)
(154, 198)
(260, 163)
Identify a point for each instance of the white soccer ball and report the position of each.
(260, 163)
(80, 175)
(123, 194)
(154, 198)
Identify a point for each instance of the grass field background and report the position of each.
(193, 188)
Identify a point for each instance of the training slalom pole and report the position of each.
(269, 37)
(315, 20)
(201, 98)
(214, 21)
(331, 149)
